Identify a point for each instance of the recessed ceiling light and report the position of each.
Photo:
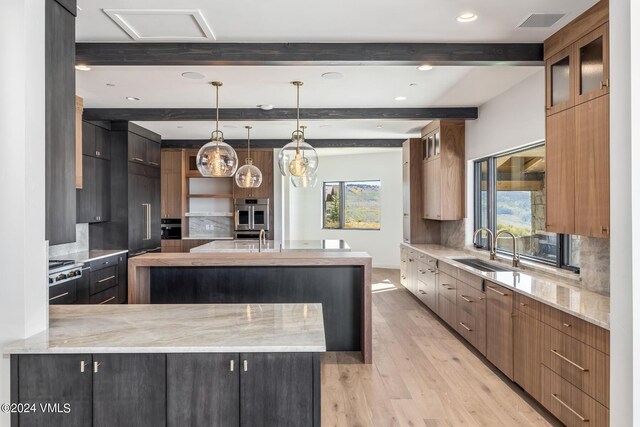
(332, 75)
(467, 17)
(325, 126)
(229, 126)
(413, 84)
(111, 84)
(83, 68)
(179, 127)
(192, 75)
(400, 98)
(379, 127)
(425, 67)
(265, 107)
(133, 98)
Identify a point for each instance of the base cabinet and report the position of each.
(500, 328)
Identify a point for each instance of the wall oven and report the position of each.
(171, 229)
(251, 215)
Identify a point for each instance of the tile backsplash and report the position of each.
(80, 245)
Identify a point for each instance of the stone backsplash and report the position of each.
(80, 245)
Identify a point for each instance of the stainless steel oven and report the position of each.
(251, 214)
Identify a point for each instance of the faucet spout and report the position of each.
(516, 257)
(492, 241)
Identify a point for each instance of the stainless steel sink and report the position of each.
(481, 265)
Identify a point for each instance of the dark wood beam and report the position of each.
(245, 114)
(279, 143)
(159, 54)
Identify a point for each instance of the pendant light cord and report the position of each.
(249, 142)
(217, 109)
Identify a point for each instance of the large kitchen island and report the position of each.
(340, 280)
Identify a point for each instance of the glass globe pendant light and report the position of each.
(304, 181)
(216, 158)
(248, 175)
(298, 158)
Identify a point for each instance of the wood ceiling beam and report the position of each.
(245, 114)
(191, 54)
(279, 143)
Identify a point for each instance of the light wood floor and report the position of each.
(422, 374)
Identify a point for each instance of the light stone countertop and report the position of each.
(92, 255)
(273, 246)
(178, 328)
(558, 293)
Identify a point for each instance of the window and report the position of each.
(351, 205)
(510, 195)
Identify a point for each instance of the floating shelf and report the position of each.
(212, 196)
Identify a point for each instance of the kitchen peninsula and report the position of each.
(143, 365)
(339, 280)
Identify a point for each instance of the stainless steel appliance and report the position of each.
(251, 216)
(64, 277)
(171, 229)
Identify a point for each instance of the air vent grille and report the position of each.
(541, 20)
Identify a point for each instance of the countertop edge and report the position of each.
(168, 350)
(112, 252)
(471, 270)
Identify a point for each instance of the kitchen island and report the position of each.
(156, 365)
(234, 246)
(340, 281)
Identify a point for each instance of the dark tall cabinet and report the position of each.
(93, 201)
(60, 122)
(135, 192)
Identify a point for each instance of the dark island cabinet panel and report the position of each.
(129, 390)
(60, 125)
(276, 389)
(203, 390)
(51, 380)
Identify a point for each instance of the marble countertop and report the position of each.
(92, 255)
(558, 293)
(178, 328)
(273, 246)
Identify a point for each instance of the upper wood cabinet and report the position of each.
(263, 160)
(577, 125)
(413, 227)
(443, 174)
(171, 184)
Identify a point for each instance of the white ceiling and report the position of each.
(338, 20)
(249, 86)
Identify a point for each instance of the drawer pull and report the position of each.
(523, 304)
(447, 287)
(497, 291)
(107, 300)
(465, 326)
(137, 159)
(422, 292)
(59, 296)
(466, 299)
(422, 271)
(583, 419)
(569, 360)
(566, 325)
(106, 279)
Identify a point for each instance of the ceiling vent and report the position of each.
(541, 20)
(162, 24)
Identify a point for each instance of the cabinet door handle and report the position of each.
(496, 291)
(83, 364)
(604, 83)
(231, 368)
(97, 153)
(154, 163)
(59, 296)
(422, 292)
(583, 419)
(523, 304)
(107, 300)
(245, 365)
(447, 287)
(466, 327)
(137, 159)
(566, 359)
(95, 367)
(466, 299)
(422, 271)
(106, 279)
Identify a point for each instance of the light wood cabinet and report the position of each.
(592, 168)
(560, 80)
(471, 315)
(527, 352)
(560, 172)
(413, 227)
(263, 159)
(500, 327)
(443, 170)
(171, 184)
(592, 65)
(171, 245)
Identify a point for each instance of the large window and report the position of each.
(351, 205)
(510, 195)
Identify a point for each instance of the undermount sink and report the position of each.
(481, 265)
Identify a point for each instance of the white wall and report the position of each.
(305, 210)
(23, 253)
(625, 205)
(513, 119)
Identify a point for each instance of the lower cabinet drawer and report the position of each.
(472, 328)
(427, 294)
(447, 287)
(581, 365)
(528, 306)
(103, 279)
(64, 293)
(447, 310)
(572, 406)
(110, 296)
